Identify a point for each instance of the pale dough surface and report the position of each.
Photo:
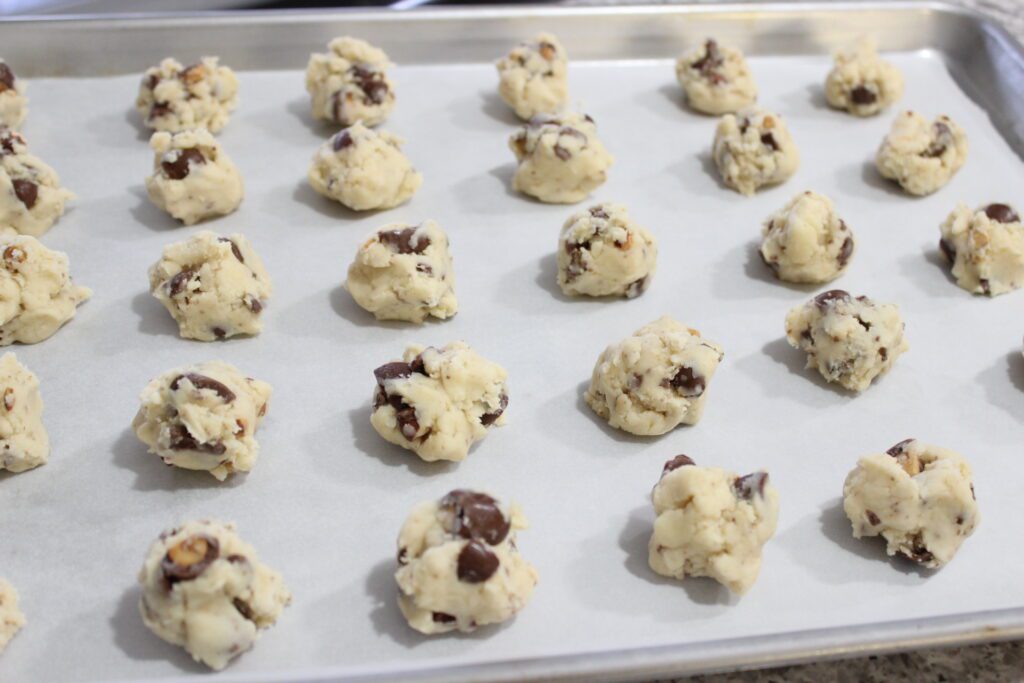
(13, 103)
(193, 178)
(861, 82)
(985, 248)
(921, 155)
(11, 617)
(349, 83)
(24, 443)
(175, 98)
(806, 241)
(716, 78)
(561, 160)
(31, 196)
(533, 77)
(752, 149)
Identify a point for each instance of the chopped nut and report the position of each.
(13, 254)
(9, 399)
(547, 51)
(193, 74)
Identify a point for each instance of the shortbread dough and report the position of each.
(404, 272)
(458, 565)
(655, 380)
(603, 252)
(534, 78)
(561, 160)
(806, 241)
(918, 497)
(349, 83)
(922, 156)
(24, 443)
(861, 82)
(716, 78)
(11, 618)
(364, 170)
(175, 98)
(31, 196)
(215, 287)
(193, 178)
(204, 588)
(753, 149)
(439, 402)
(203, 417)
(849, 340)
(37, 295)
(711, 522)
(13, 103)
(985, 248)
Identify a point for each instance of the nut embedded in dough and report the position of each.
(985, 248)
(24, 443)
(31, 196)
(174, 98)
(806, 241)
(861, 82)
(13, 103)
(753, 149)
(533, 77)
(716, 78)
(11, 617)
(922, 156)
(349, 83)
(193, 178)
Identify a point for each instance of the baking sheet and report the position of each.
(327, 496)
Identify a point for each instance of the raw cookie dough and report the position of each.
(31, 197)
(752, 149)
(350, 83)
(711, 522)
(203, 417)
(204, 588)
(11, 618)
(364, 170)
(192, 177)
(37, 295)
(806, 241)
(716, 79)
(985, 248)
(214, 287)
(849, 340)
(13, 103)
(918, 497)
(404, 272)
(24, 443)
(458, 566)
(655, 380)
(921, 156)
(533, 77)
(175, 98)
(861, 82)
(439, 402)
(560, 158)
(603, 252)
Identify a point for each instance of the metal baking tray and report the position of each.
(327, 496)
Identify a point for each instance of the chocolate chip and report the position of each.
(14, 254)
(749, 486)
(872, 518)
(442, 618)
(769, 140)
(947, 250)
(8, 138)
(598, 212)
(189, 558)
(487, 419)
(476, 563)
(342, 140)
(863, 323)
(219, 332)
(547, 50)
(159, 109)
(401, 241)
(408, 425)
(424, 268)
(862, 95)
(253, 304)
(371, 82)
(179, 281)
(883, 353)
(918, 551)
(942, 137)
(773, 265)
(476, 516)
(826, 299)
(182, 440)
(402, 556)
(234, 248)
(418, 365)
(1001, 213)
(687, 382)
(562, 153)
(6, 77)
(27, 191)
(151, 81)
(396, 370)
(986, 286)
(845, 251)
(244, 609)
(636, 288)
(179, 168)
(708, 64)
(897, 450)
(202, 382)
(677, 462)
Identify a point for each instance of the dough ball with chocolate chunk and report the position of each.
(603, 252)
(215, 287)
(364, 169)
(922, 156)
(192, 177)
(404, 272)
(458, 565)
(716, 78)
(439, 402)
(31, 196)
(11, 618)
(203, 417)
(24, 443)
(534, 78)
(861, 82)
(37, 294)
(205, 589)
(654, 380)
(849, 340)
(561, 160)
(349, 83)
(918, 497)
(985, 248)
(13, 103)
(753, 149)
(806, 241)
(174, 98)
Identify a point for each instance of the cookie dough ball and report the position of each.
(922, 156)
(918, 497)
(175, 98)
(364, 169)
(31, 196)
(985, 248)
(11, 618)
(349, 83)
(806, 241)
(655, 380)
(861, 82)
(716, 79)
(534, 77)
(439, 402)
(24, 443)
(711, 522)
(603, 252)
(193, 178)
(37, 295)
(203, 417)
(13, 103)
(215, 287)
(753, 149)
(561, 160)
(204, 588)
(458, 565)
(404, 272)
(849, 340)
